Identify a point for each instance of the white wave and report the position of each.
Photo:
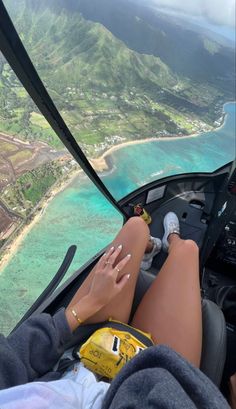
(157, 173)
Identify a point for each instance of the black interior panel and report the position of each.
(192, 220)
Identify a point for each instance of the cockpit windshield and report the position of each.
(146, 88)
(154, 81)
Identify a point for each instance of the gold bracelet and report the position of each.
(76, 316)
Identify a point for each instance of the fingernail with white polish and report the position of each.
(128, 276)
(128, 255)
(112, 248)
(120, 247)
(104, 255)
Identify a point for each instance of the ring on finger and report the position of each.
(108, 262)
(117, 269)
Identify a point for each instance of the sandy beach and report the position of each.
(12, 246)
(100, 164)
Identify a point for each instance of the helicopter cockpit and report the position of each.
(114, 122)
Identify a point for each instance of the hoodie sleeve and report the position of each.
(33, 349)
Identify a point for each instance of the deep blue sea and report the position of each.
(80, 215)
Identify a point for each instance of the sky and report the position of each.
(221, 12)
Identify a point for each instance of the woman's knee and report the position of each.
(185, 247)
(138, 225)
(191, 246)
(137, 222)
(188, 248)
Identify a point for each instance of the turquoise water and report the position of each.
(80, 215)
(153, 160)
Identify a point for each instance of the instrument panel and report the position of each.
(226, 245)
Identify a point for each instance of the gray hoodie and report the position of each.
(157, 378)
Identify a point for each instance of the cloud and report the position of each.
(220, 12)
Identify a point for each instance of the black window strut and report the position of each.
(16, 55)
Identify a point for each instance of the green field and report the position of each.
(39, 120)
(29, 188)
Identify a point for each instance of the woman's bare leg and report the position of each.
(232, 389)
(171, 308)
(134, 238)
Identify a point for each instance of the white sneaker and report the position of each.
(171, 225)
(148, 257)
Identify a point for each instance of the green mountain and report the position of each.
(146, 30)
(83, 52)
(105, 90)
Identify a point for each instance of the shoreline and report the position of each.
(100, 165)
(12, 246)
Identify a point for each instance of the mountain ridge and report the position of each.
(177, 47)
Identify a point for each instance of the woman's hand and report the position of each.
(107, 281)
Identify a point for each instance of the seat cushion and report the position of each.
(144, 281)
(214, 341)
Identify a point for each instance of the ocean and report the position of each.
(80, 215)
